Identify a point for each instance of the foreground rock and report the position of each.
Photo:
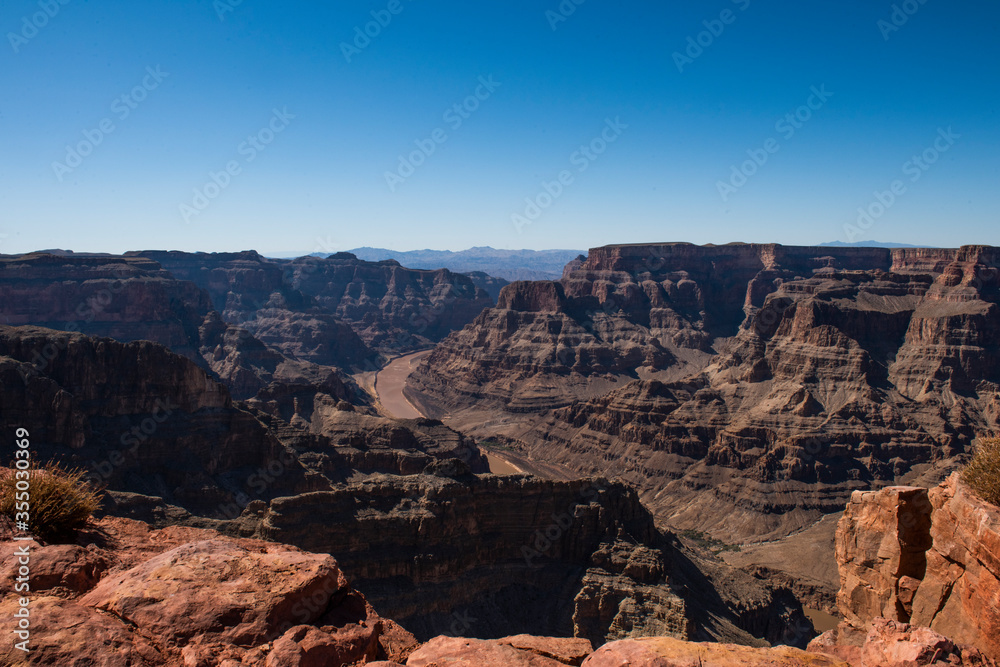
(667, 652)
(891, 644)
(931, 559)
(194, 597)
(459, 652)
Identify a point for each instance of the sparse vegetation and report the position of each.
(490, 443)
(59, 501)
(983, 472)
(703, 541)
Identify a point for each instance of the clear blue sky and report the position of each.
(322, 184)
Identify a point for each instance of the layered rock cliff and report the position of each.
(432, 540)
(144, 420)
(489, 556)
(134, 298)
(745, 390)
(321, 309)
(931, 559)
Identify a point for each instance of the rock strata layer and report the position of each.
(930, 559)
(745, 390)
(489, 556)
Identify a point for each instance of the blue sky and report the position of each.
(250, 125)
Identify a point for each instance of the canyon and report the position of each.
(746, 391)
(404, 505)
(128, 593)
(696, 419)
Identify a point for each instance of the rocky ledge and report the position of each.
(128, 595)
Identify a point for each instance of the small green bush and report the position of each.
(60, 501)
(983, 472)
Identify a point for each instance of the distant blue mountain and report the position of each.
(871, 244)
(506, 264)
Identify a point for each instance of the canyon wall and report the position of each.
(488, 556)
(396, 501)
(146, 421)
(745, 390)
(134, 298)
(335, 310)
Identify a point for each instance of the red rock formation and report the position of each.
(667, 652)
(459, 652)
(194, 597)
(892, 644)
(930, 559)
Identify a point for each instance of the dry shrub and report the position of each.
(60, 501)
(983, 472)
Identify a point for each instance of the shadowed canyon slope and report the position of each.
(398, 502)
(743, 389)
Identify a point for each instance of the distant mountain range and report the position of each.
(506, 264)
(870, 244)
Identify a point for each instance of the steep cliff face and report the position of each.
(505, 554)
(144, 420)
(930, 559)
(329, 311)
(134, 298)
(747, 389)
(392, 308)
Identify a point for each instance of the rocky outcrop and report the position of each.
(194, 597)
(745, 390)
(520, 651)
(892, 644)
(666, 652)
(332, 310)
(931, 559)
(487, 556)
